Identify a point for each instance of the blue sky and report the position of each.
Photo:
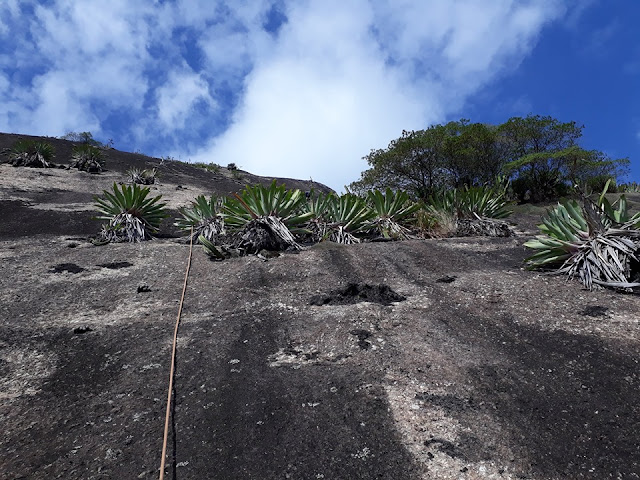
(305, 89)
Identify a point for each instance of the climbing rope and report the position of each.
(173, 362)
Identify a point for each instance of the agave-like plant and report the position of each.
(317, 207)
(482, 201)
(143, 176)
(131, 216)
(346, 216)
(204, 216)
(29, 153)
(273, 209)
(391, 209)
(595, 243)
(88, 158)
(477, 210)
(259, 201)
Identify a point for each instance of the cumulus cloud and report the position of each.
(346, 77)
(280, 87)
(177, 97)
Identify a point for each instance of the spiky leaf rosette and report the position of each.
(204, 216)
(318, 206)
(615, 213)
(266, 215)
(260, 201)
(87, 158)
(131, 215)
(571, 245)
(143, 176)
(471, 202)
(346, 216)
(391, 208)
(28, 153)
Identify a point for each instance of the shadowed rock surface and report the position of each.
(484, 371)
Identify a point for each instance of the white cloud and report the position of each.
(337, 79)
(177, 97)
(346, 77)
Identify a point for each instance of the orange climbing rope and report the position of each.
(173, 362)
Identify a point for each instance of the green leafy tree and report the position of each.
(545, 158)
(475, 154)
(416, 162)
(442, 156)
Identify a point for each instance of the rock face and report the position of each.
(484, 370)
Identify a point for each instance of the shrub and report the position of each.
(598, 182)
(597, 242)
(30, 153)
(231, 167)
(131, 215)
(209, 167)
(143, 176)
(81, 137)
(433, 223)
(87, 158)
(632, 187)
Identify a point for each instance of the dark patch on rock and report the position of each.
(362, 335)
(359, 292)
(66, 267)
(444, 446)
(258, 235)
(115, 265)
(144, 288)
(447, 279)
(594, 311)
(81, 330)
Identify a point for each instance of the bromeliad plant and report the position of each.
(596, 243)
(391, 209)
(346, 216)
(273, 209)
(88, 158)
(29, 153)
(131, 216)
(259, 201)
(470, 202)
(477, 210)
(317, 207)
(143, 176)
(204, 216)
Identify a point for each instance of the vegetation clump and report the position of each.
(473, 210)
(392, 211)
(131, 216)
(204, 217)
(540, 154)
(30, 153)
(143, 176)
(597, 242)
(266, 217)
(87, 158)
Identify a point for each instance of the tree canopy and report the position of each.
(539, 153)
